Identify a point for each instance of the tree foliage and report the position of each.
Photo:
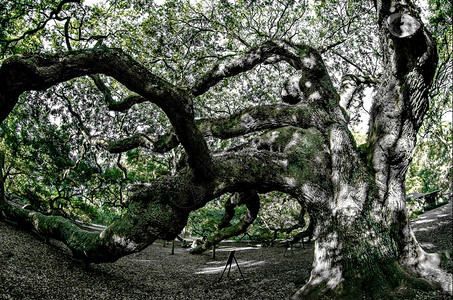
(178, 39)
(144, 112)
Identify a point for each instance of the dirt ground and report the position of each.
(31, 269)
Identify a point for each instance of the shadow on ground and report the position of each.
(30, 269)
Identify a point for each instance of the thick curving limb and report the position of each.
(156, 211)
(233, 66)
(266, 117)
(40, 71)
(159, 210)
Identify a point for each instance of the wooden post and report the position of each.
(172, 247)
(213, 251)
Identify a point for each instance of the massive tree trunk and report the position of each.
(356, 195)
(364, 245)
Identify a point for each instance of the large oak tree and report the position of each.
(299, 143)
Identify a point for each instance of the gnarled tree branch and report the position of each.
(252, 202)
(113, 105)
(266, 117)
(53, 15)
(233, 66)
(39, 71)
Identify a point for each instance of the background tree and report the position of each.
(241, 104)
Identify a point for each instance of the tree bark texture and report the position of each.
(364, 246)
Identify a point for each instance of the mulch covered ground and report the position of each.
(31, 269)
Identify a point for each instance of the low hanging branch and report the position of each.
(225, 229)
(158, 210)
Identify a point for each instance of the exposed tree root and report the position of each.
(385, 280)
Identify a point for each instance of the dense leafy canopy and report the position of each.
(55, 139)
(146, 111)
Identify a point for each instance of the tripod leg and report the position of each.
(224, 272)
(229, 269)
(239, 269)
